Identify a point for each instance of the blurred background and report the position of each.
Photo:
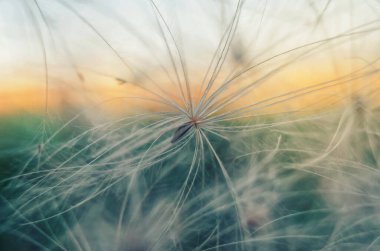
(83, 53)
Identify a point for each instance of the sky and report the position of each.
(88, 44)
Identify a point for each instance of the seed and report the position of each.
(181, 131)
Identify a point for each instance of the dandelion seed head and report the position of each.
(251, 164)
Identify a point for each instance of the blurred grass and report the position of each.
(297, 191)
(19, 135)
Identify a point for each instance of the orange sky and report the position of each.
(326, 43)
(25, 92)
